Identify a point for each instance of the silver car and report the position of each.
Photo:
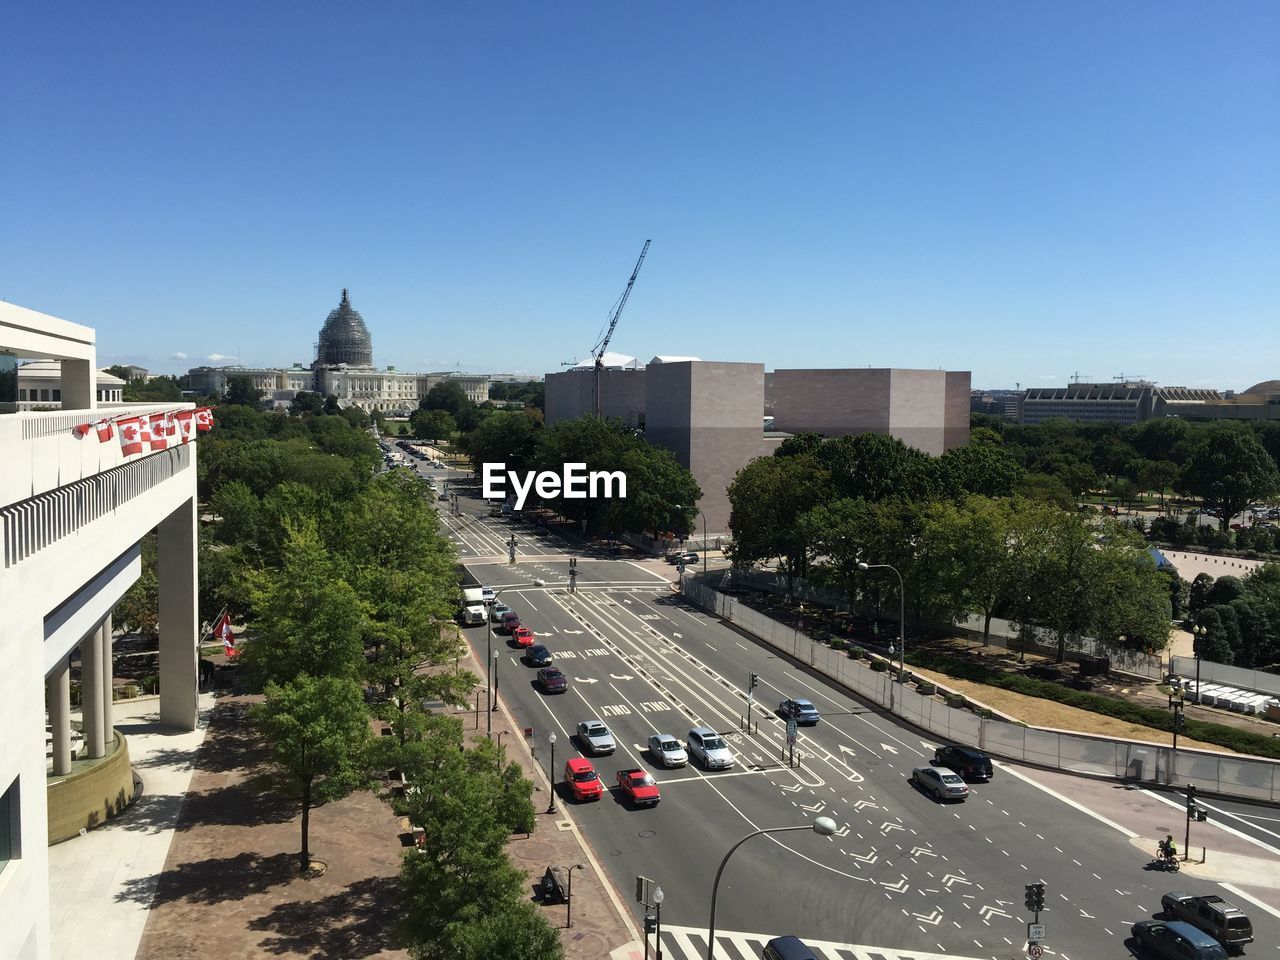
(943, 783)
(595, 738)
(710, 749)
(666, 750)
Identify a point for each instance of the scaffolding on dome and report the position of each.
(344, 338)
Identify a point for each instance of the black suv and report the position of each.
(969, 762)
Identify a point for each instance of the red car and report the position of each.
(584, 782)
(510, 621)
(639, 787)
(523, 636)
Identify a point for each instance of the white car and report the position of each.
(710, 749)
(666, 750)
(487, 594)
(595, 738)
(943, 783)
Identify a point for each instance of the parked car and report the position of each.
(510, 620)
(666, 750)
(1176, 940)
(787, 948)
(538, 656)
(686, 558)
(710, 749)
(673, 556)
(523, 636)
(802, 711)
(595, 737)
(638, 787)
(499, 611)
(944, 784)
(1223, 921)
(584, 783)
(487, 594)
(552, 680)
(970, 762)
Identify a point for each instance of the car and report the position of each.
(437, 465)
(523, 637)
(538, 656)
(638, 787)
(1223, 921)
(499, 611)
(666, 750)
(970, 762)
(944, 784)
(443, 496)
(552, 680)
(595, 737)
(1176, 940)
(584, 783)
(802, 711)
(673, 556)
(686, 558)
(710, 749)
(510, 620)
(487, 594)
(787, 948)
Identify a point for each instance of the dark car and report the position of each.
(802, 711)
(787, 948)
(510, 621)
(969, 762)
(552, 680)
(1176, 940)
(538, 656)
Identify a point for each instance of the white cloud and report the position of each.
(217, 357)
(179, 356)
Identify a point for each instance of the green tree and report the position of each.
(515, 931)
(139, 609)
(799, 444)
(509, 437)
(437, 425)
(767, 498)
(1228, 472)
(318, 730)
(306, 617)
(236, 510)
(448, 395)
(874, 466)
(331, 405)
(306, 402)
(161, 389)
(978, 468)
(1213, 645)
(972, 540)
(242, 392)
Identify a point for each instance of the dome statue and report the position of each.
(344, 338)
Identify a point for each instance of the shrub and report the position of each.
(856, 653)
(925, 688)
(150, 683)
(956, 700)
(879, 666)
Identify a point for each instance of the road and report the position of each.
(904, 874)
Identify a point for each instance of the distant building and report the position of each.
(343, 368)
(1133, 401)
(996, 403)
(40, 386)
(134, 372)
(1259, 402)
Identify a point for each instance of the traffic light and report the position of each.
(1191, 801)
(755, 679)
(1035, 896)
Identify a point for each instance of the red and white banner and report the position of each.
(223, 632)
(154, 431)
(131, 436)
(186, 423)
(204, 419)
(106, 430)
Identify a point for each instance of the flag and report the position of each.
(131, 439)
(204, 419)
(106, 430)
(80, 429)
(186, 422)
(158, 436)
(223, 632)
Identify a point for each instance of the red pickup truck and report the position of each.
(639, 787)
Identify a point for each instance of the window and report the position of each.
(10, 825)
(57, 395)
(44, 393)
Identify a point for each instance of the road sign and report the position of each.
(1035, 951)
(792, 727)
(791, 739)
(1035, 932)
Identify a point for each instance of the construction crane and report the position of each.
(598, 351)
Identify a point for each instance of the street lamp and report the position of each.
(704, 534)
(551, 773)
(823, 827)
(658, 897)
(568, 900)
(495, 682)
(1197, 647)
(902, 620)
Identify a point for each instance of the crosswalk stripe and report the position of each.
(690, 943)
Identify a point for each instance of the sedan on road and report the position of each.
(1176, 940)
(710, 749)
(666, 750)
(970, 762)
(944, 784)
(523, 636)
(538, 656)
(802, 711)
(552, 680)
(584, 783)
(595, 737)
(638, 787)
(510, 620)
(499, 611)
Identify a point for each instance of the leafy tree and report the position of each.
(318, 730)
(875, 466)
(508, 437)
(1046, 489)
(437, 425)
(139, 609)
(1224, 590)
(1213, 645)
(799, 444)
(516, 931)
(236, 509)
(1228, 472)
(1157, 475)
(983, 469)
(160, 389)
(305, 402)
(242, 392)
(767, 498)
(306, 617)
(972, 538)
(1200, 588)
(448, 395)
(331, 405)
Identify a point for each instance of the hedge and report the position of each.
(1242, 741)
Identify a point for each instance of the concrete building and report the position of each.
(343, 368)
(1130, 401)
(73, 505)
(40, 386)
(996, 403)
(1259, 402)
(714, 416)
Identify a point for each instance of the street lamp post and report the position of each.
(500, 733)
(568, 900)
(823, 827)
(1197, 647)
(551, 773)
(902, 620)
(488, 640)
(495, 681)
(704, 536)
(658, 897)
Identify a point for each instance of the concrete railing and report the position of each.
(1254, 778)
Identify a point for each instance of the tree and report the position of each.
(972, 538)
(160, 389)
(767, 498)
(508, 437)
(874, 466)
(437, 425)
(318, 729)
(448, 395)
(1228, 472)
(1213, 645)
(799, 444)
(304, 402)
(139, 609)
(978, 468)
(331, 405)
(236, 509)
(242, 392)
(516, 931)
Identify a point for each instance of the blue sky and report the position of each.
(1021, 190)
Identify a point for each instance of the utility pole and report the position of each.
(573, 574)
(751, 686)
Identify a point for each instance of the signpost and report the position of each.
(1035, 932)
(792, 728)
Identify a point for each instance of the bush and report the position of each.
(879, 666)
(956, 700)
(856, 653)
(925, 688)
(151, 683)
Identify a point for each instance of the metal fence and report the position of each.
(1254, 778)
(1242, 678)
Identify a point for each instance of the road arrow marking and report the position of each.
(871, 857)
(848, 750)
(584, 680)
(866, 803)
(815, 808)
(573, 631)
(922, 852)
(843, 831)
(888, 749)
(951, 878)
(987, 912)
(900, 887)
(796, 789)
(678, 636)
(932, 918)
(625, 676)
(887, 826)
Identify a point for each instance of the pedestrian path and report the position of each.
(690, 943)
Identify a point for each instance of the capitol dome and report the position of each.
(344, 338)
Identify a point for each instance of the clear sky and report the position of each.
(1024, 190)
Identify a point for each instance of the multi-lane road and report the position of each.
(904, 877)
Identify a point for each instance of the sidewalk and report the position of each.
(602, 925)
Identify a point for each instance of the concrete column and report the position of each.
(179, 617)
(59, 686)
(108, 710)
(91, 710)
(79, 385)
